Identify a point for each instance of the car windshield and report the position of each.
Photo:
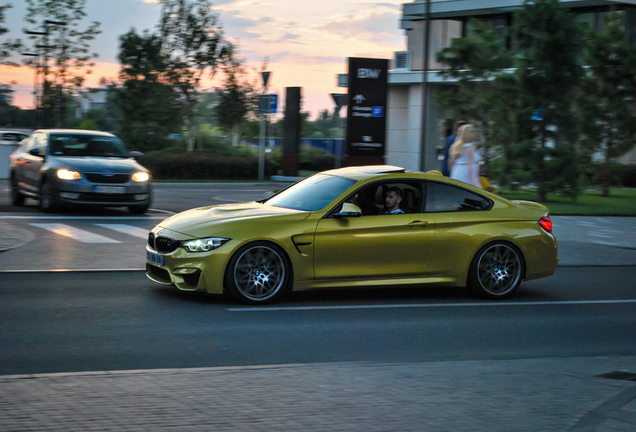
(87, 145)
(313, 193)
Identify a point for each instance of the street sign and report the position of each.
(273, 103)
(366, 113)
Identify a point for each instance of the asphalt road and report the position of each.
(66, 322)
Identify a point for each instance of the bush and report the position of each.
(201, 166)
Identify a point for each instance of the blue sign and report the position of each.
(378, 111)
(273, 103)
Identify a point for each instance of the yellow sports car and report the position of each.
(356, 227)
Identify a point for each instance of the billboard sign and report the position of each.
(366, 112)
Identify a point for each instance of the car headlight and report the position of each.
(204, 245)
(65, 174)
(140, 176)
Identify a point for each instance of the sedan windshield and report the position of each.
(313, 193)
(87, 145)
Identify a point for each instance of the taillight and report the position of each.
(546, 223)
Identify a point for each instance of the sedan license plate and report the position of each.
(109, 189)
(154, 258)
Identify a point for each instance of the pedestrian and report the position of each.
(447, 145)
(464, 157)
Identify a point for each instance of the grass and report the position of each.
(621, 202)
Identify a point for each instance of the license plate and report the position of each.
(109, 189)
(154, 258)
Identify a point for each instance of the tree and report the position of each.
(8, 46)
(192, 37)
(149, 110)
(478, 65)
(549, 45)
(608, 95)
(237, 101)
(64, 43)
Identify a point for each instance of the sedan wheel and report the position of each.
(47, 200)
(16, 196)
(496, 271)
(258, 273)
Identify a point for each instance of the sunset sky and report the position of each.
(307, 42)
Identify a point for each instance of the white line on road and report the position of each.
(76, 233)
(428, 305)
(127, 229)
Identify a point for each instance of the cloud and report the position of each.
(376, 27)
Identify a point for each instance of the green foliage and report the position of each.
(148, 110)
(547, 47)
(88, 124)
(478, 64)
(238, 100)
(194, 43)
(607, 96)
(72, 58)
(201, 166)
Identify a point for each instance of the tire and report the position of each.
(138, 209)
(258, 273)
(47, 198)
(496, 271)
(16, 197)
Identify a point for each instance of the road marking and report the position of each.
(75, 233)
(428, 305)
(127, 229)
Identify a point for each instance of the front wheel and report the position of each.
(47, 198)
(16, 196)
(496, 271)
(258, 273)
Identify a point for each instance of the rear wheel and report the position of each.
(496, 271)
(258, 273)
(16, 196)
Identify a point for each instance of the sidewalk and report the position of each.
(518, 395)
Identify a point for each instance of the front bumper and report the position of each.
(202, 272)
(85, 193)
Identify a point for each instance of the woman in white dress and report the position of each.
(465, 157)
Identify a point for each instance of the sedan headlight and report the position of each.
(65, 174)
(140, 176)
(204, 245)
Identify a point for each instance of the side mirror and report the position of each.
(136, 154)
(348, 210)
(35, 152)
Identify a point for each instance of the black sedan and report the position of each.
(61, 167)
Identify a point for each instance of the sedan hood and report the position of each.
(204, 221)
(96, 164)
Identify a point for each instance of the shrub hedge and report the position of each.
(205, 166)
(197, 166)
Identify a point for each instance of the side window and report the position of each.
(447, 198)
(371, 198)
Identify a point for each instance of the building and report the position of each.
(415, 130)
(94, 98)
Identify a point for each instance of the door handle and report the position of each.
(418, 223)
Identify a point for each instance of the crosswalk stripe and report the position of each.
(75, 233)
(127, 229)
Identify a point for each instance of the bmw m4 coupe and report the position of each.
(343, 228)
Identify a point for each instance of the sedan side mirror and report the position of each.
(136, 154)
(348, 210)
(35, 152)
